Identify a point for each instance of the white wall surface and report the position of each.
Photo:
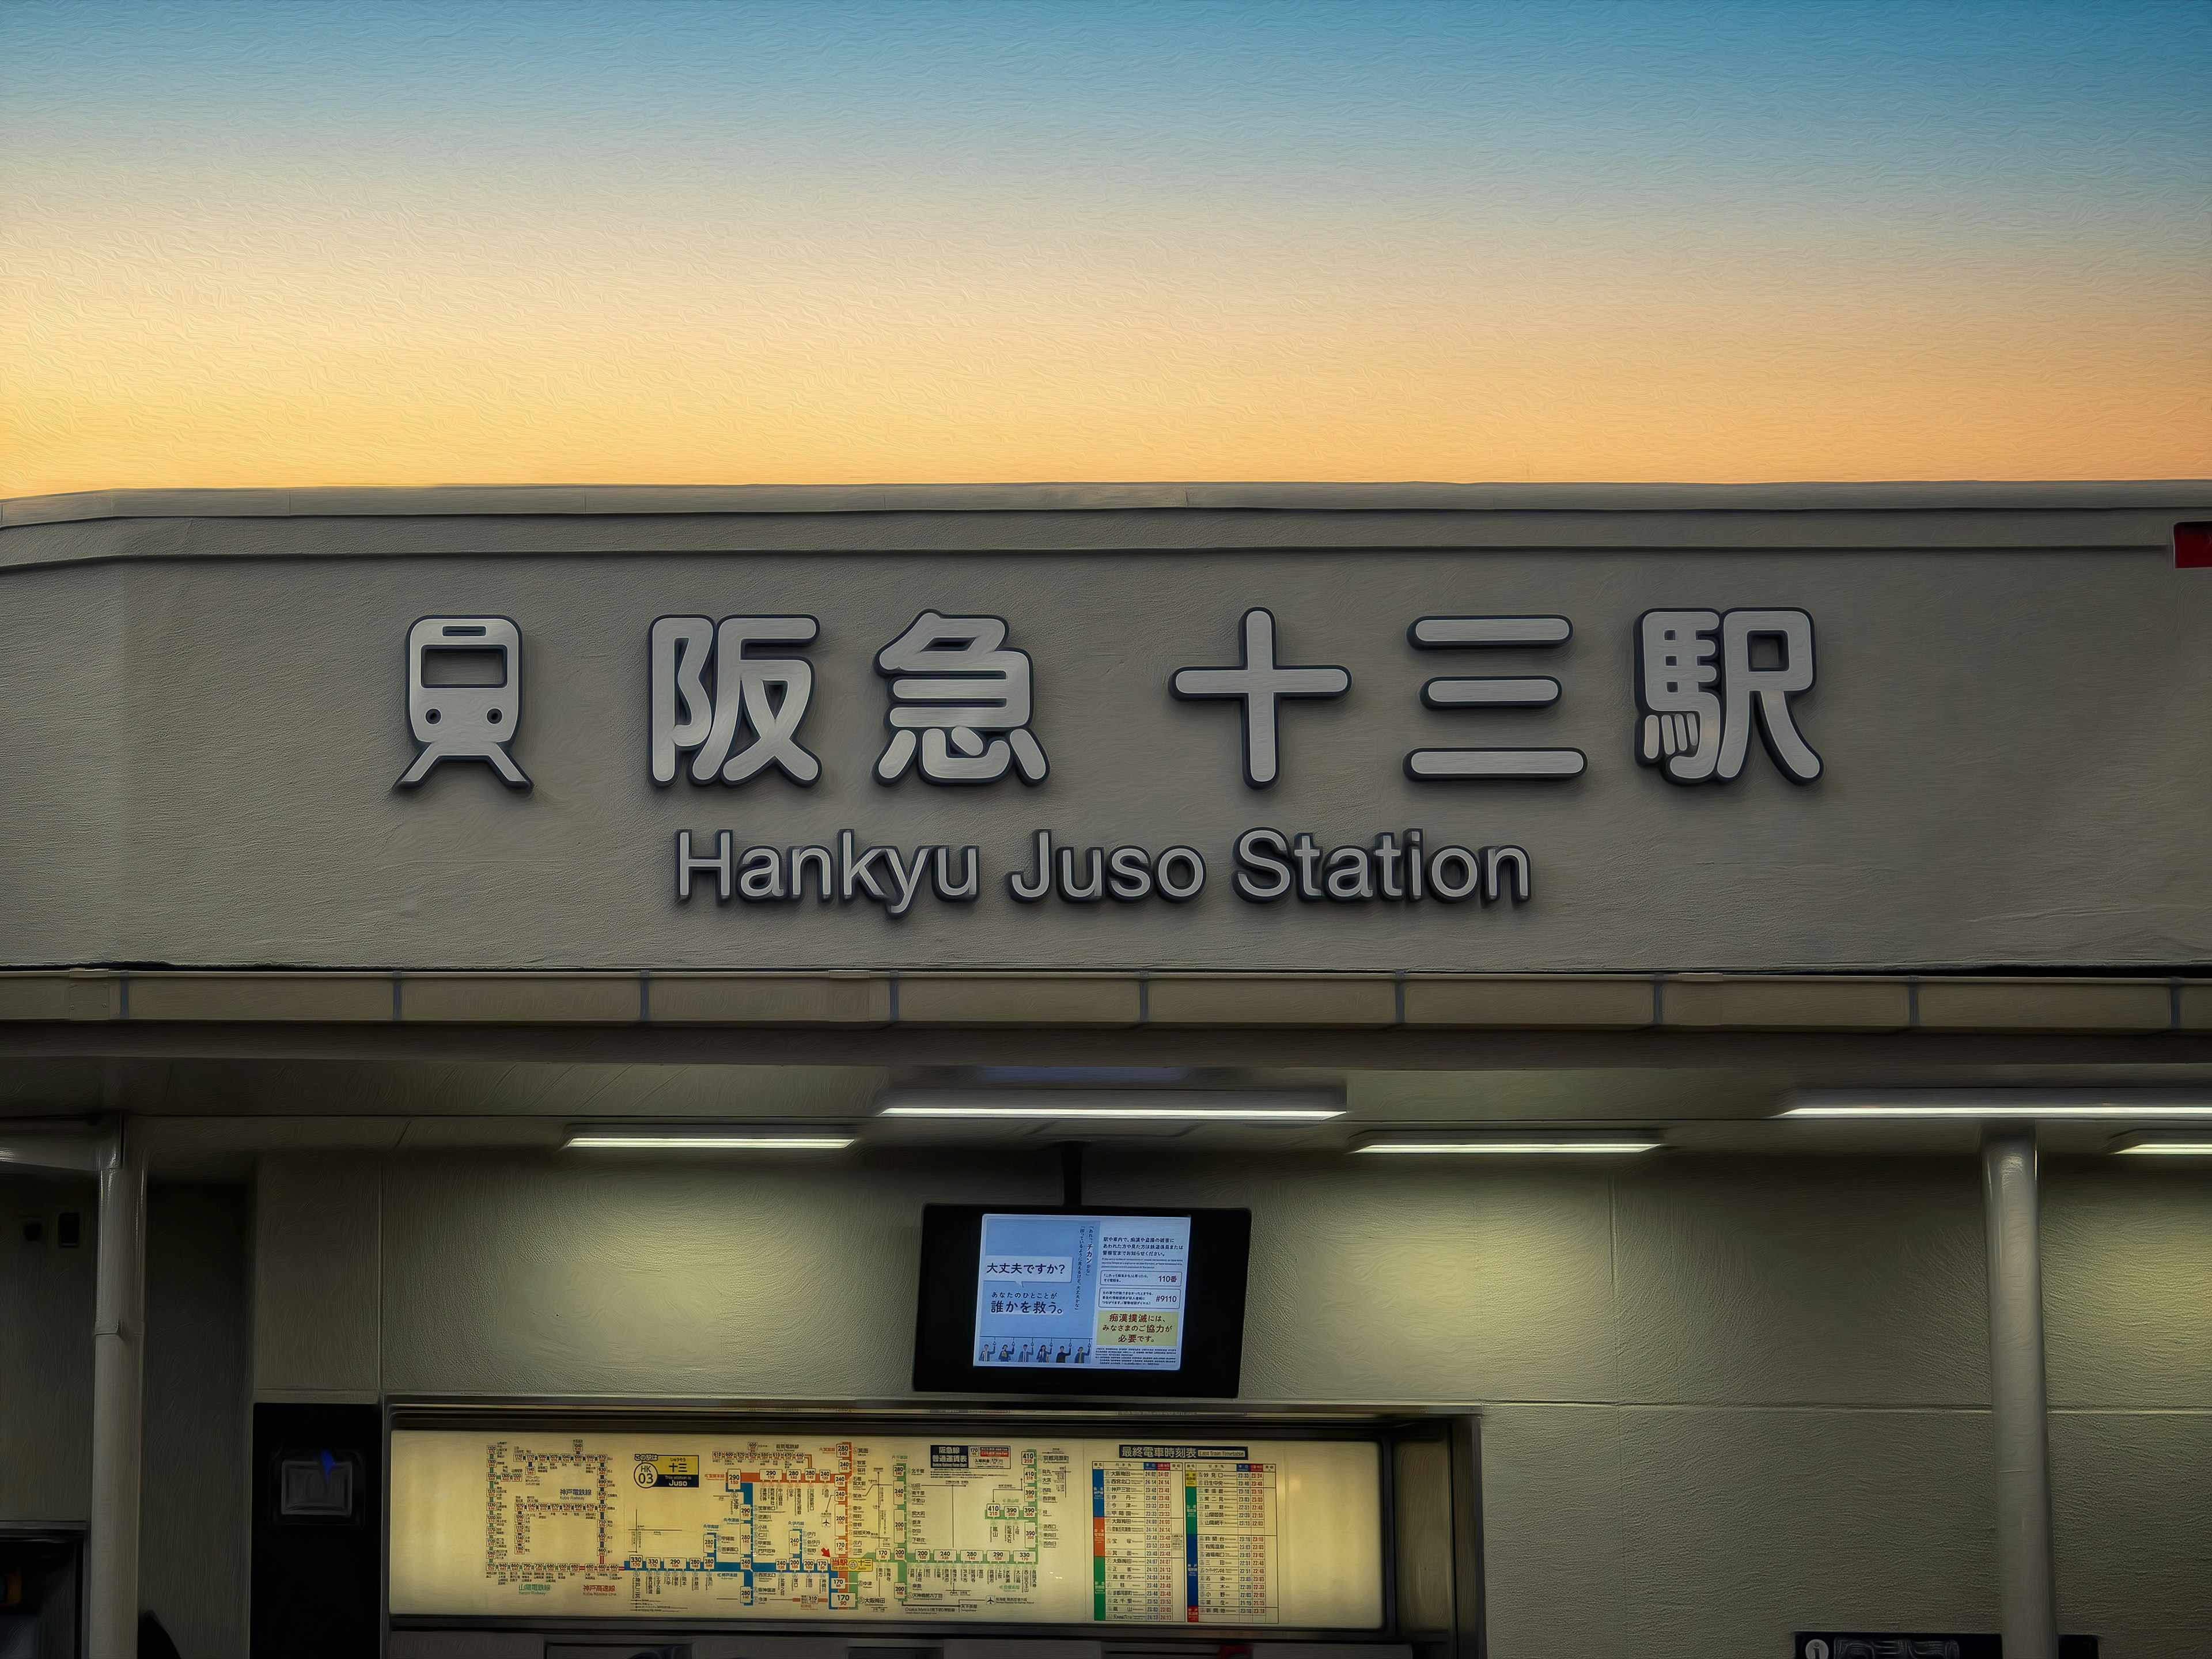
(1722, 1399)
(194, 1497)
(201, 756)
(193, 1516)
(46, 1350)
(2127, 1304)
(316, 1278)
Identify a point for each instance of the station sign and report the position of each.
(576, 750)
(728, 700)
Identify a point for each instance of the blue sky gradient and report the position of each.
(860, 213)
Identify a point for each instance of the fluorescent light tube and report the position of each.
(1157, 1114)
(1995, 1104)
(2169, 1149)
(1080, 1077)
(2202, 1113)
(707, 1140)
(1525, 1147)
(2172, 1145)
(1128, 1105)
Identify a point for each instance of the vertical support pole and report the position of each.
(117, 1377)
(2027, 1589)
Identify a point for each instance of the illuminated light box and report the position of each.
(830, 1522)
(1095, 1301)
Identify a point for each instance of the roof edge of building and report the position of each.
(445, 501)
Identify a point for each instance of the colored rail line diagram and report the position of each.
(839, 1527)
(803, 1527)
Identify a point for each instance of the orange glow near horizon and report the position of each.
(667, 296)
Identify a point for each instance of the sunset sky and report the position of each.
(702, 243)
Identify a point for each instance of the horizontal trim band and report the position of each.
(1687, 1002)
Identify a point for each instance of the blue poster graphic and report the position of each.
(1092, 1292)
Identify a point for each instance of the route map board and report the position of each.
(819, 1524)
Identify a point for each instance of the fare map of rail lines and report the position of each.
(819, 1524)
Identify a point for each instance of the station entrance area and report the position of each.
(1408, 1073)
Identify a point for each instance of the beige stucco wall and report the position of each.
(46, 1350)
(1722, 1399)
(193, 1519)
(206, 716)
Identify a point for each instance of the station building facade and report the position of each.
(1834, 857)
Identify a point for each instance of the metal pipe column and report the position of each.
(118, 1379)
(2027, 1599)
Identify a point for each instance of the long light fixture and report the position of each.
(2168, 1146)
(711, 1137)
(1996, 1104)
(1530, 1146)
(1126, 1105)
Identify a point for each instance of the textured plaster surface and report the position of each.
(566, 1277)
(45, 1350)
(1555, 1568)
(2131, 1516)
(194, 1495)
(1374, 1282)
(316, 1278)
(1744, 1525)
(192, 1527)
(201, 755)
(2127, 1285)
(1811, 1333)
(1829, 1282)
(1615, 1523)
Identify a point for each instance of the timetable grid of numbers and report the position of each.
(1194, 1542)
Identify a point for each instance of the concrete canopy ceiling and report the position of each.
(212, 1114)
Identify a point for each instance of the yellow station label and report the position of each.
(664, 1470)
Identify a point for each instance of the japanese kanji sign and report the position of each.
(1237, 741)
(961, 701)
(1701, 693)
(728, 698)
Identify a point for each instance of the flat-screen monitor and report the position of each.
(1090, 1300)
